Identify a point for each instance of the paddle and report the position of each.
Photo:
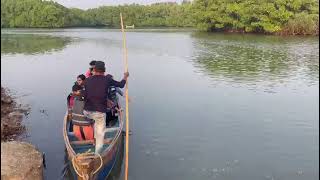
(127, 100)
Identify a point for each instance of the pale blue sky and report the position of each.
(86, 4)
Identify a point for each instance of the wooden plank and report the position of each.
(111, 129)
(88, 157)
(106, 141)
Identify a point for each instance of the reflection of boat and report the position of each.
(116, 171)
(66, 171)
(83, 162)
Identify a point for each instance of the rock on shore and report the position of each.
(11, 117)
(20, 161)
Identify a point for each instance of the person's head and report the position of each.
(99, 68)
(92, 64)
(76, 89)
(80, 79)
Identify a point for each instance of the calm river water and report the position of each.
(203, 106)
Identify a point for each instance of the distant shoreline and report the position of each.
(165, 29)
(104, 27)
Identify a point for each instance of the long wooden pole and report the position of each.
(127, 100)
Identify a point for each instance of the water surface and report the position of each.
(203, 106)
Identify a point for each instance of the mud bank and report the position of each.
(11, 117)
(19, 160)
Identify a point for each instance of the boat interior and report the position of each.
(81, 146)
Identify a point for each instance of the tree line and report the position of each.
(263, 16)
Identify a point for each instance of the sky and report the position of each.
(86, 4)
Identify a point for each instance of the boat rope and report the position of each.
(127, 101)
(75, 167)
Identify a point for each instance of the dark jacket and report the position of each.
(96, 92)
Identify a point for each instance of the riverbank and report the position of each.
(287, 32)
(11, 117)
(19, 160)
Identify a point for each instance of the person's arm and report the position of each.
(119, 91)
(121, 83)
(117, 83)
(68, 101)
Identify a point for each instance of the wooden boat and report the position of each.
(84, 163)
(130, 27)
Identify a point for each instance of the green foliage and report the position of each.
(32, 13)
(302, 24)
(263, 16)
(38, 13)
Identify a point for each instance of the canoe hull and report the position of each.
(109, 162)
(109, 155)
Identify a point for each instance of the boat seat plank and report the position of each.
(84, 142)
(112, 129)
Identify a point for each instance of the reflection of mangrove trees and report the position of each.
(31, 44)
(255, 58)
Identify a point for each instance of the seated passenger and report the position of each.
(90, 70)
(80, 80)
(82, 126)
(112, 106)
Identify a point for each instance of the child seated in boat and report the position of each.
(82, 127)
(76, 89)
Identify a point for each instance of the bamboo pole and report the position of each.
(127, 101)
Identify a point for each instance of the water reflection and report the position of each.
(67, 173)
(116, 171)
(252, 58)
(31, 43)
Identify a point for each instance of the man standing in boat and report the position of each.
(96, 95)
